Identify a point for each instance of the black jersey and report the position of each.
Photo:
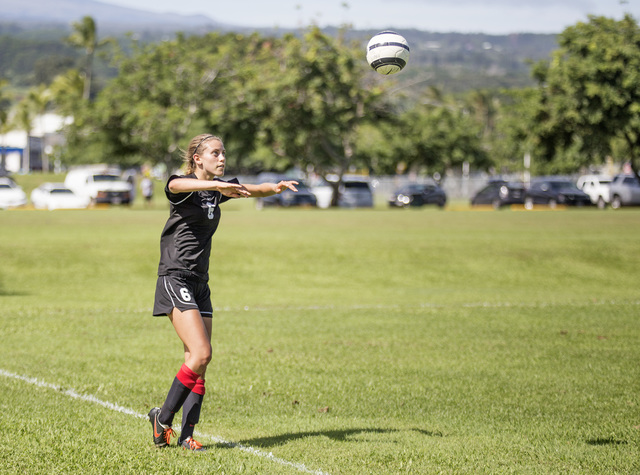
(185, 243)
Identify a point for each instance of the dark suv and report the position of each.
(499, 193)
(553, 191)
(416, 194)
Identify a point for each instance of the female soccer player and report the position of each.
(182, 290)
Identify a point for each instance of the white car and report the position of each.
(597, 187)
(57, 196)
(11, 195)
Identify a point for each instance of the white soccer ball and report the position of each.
(388, 52)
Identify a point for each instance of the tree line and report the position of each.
(311, 102)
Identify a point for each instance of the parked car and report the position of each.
(553, 191)
(355, 193)
(625, 191)
(303, 197)
(57, 196)
(597, 187)
(416, 194)
(499, 193)
(100, 184)
(11, 194)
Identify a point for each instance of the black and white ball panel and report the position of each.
(388, 52)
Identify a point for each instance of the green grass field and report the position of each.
(374, 341)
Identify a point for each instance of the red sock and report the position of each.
(187, 377)
(199, 387)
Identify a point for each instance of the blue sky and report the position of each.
(465, 16)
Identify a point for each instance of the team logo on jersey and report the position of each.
(212, 208)
(209, 202)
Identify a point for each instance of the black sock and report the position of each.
(182, 385)
(190, 415)
(175, 399)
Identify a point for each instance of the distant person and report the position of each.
(130, 177)
(146, 186)
(182, 290)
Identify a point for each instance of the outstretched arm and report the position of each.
(184, 185)
(268, 189)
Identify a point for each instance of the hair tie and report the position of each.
(200, 143)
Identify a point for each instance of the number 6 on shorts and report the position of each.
(186, 296)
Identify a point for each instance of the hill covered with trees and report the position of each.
(454, 62)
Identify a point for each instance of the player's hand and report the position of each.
(285, 184)
(232, 190)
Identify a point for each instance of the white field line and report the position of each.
(124, 410)
(586, 303)
(309, 308)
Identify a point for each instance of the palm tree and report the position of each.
(67, 91)
(484, 105)
(84, 35)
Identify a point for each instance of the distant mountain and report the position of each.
(32, 49)
(110, 18)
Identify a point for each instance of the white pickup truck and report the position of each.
(99, 183)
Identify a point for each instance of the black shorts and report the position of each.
(183, 293)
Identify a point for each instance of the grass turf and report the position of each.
(374, 341)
